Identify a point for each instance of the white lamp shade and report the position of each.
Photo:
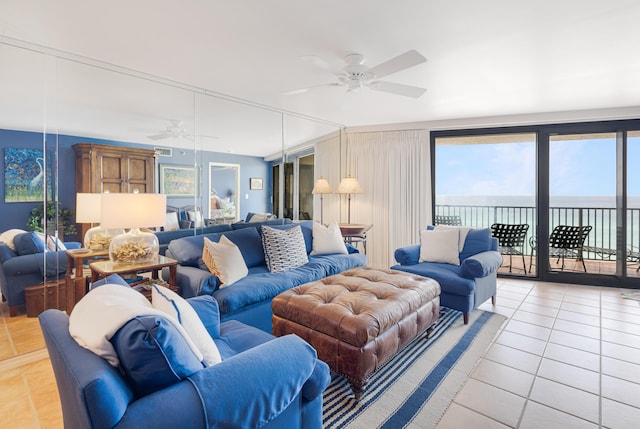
(321, 186)
(133, 210)
(349, 185)
(88, 208)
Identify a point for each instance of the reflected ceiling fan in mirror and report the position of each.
(356, 75)
(174, 130)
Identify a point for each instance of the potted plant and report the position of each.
(36, 220)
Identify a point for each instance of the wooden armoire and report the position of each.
(101, 168)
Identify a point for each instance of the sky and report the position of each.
(577, 168)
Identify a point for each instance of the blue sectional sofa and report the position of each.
(249, 299)
(166, 237)
(463, 287)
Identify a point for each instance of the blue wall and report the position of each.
(14, 215)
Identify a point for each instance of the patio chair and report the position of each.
(568, 241)
(447, 220)
(511, 240)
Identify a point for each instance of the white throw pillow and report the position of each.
(171, 222)
(439, 246)
(327, 239)
(7, 237)
(174, 305)
(462, 231)
(196, 218)
(224, 260)
(54, 244)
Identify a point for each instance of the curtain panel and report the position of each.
(393, 170)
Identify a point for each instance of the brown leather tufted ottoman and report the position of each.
(359, 319)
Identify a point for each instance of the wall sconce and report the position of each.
(321, 187)
(349, 185)
(133, 211)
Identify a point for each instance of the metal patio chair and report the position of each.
(447, 220)
(511, 240)
(568, 241)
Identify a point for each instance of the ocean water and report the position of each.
(597, 211)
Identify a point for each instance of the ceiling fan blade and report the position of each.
(398, 89)
(160, 136)
(404, 61)
(309, 88)
(318, 62)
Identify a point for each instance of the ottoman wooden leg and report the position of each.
(465, 318)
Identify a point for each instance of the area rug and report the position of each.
(416, 386)
(630, 294)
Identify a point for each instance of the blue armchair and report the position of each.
(262, 381)
(28, 265)
(463, 287)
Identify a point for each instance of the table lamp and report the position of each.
(321, 187)
(349, 185)
(133, 211)
(88, 210)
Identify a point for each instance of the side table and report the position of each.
(76, 283)
(101, 269)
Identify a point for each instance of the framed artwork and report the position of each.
(179, 180)
(255, 183)
(24, 174)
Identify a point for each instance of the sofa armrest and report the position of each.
(408, 255)
(194, 281)
(481, 264)
(252, 388)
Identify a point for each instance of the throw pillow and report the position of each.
(327, 239)
(196, 218)
(284, 249)
(171, 222)
(224, 260)
(439, 246)
(462, 233)
(96, 318)
(54, 244)
(175, 306)
(7, 237)
(153, 354)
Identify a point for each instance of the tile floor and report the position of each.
(567, 357)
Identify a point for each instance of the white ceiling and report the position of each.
(489, 58)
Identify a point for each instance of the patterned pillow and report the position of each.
(284, 249)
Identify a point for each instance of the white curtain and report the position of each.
(393, 168)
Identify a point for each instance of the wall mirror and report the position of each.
(50, 101)
(224, 187)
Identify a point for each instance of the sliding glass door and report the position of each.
(486, 181)
(575, 188)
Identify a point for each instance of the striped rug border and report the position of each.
(339, 408)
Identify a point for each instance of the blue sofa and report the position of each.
(249, 299)
(166, 237)
(463, 287)
(28, 265)
(261, 382)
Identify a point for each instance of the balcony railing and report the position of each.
(600, 243)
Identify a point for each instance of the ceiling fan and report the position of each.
(175, 129)
(356, 75)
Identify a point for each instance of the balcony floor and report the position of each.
(570, 265)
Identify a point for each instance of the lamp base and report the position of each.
(98, 238)
(134, 247)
